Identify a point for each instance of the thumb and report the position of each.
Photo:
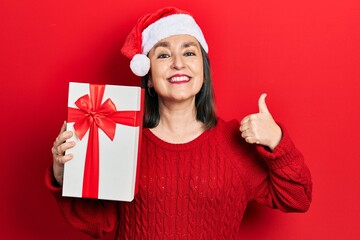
(262, 104)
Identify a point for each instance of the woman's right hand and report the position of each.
(58, 152)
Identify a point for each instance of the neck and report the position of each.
(178, 123)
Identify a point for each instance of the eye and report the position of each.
(163, 55)
(189, 54)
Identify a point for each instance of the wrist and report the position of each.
(276, 138)
(58, 173)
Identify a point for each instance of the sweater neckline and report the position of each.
(177, 146)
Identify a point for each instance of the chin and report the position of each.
(182, 97)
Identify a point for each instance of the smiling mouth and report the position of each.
(179, 79)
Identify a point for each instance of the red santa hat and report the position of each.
(153, 27)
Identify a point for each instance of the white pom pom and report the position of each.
(140, 65)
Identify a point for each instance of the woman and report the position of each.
(197, 172)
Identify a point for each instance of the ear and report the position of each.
(150, 83)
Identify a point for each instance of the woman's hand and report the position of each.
(260, 128)
(58, 152)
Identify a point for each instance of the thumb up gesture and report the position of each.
(260, 128)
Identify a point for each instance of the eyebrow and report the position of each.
(167, 45)
(161, 44)
(189, 44)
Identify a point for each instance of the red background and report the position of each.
(304, 54)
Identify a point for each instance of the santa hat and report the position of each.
(153, 27)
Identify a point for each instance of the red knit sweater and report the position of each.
(196, 190)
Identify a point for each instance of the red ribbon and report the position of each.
(92, 115)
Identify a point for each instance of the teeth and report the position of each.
(180, 78)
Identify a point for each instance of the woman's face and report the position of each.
(176, 68)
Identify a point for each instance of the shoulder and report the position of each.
(227, 129)
(239, 153)
(227, 126)
(228, 133)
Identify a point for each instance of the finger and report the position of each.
(245, 120)
(63, 159)
(250, 119)
(60, 145)
(62, 130)
(250, 140)
(244, 127)
(63, 127)
(244, 135)
(248, 133)
(60, 150)
(262, 104)
(63, 137)
(53, 151)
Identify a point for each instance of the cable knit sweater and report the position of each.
(196, 190)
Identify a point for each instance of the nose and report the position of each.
(178, 62)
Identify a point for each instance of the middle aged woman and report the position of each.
(197, 172)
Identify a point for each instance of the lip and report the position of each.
(179, 78)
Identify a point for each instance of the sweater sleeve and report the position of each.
(279, 179)
(91, 216)
(286, 185)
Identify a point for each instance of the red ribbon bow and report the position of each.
(91, 114)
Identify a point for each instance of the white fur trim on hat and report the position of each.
(168, 26)
(140, 65)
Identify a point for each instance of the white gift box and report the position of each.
(111, 164)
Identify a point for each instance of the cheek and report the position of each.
(157, 69)
(197, 64)
(156, 76)
(198, 68)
